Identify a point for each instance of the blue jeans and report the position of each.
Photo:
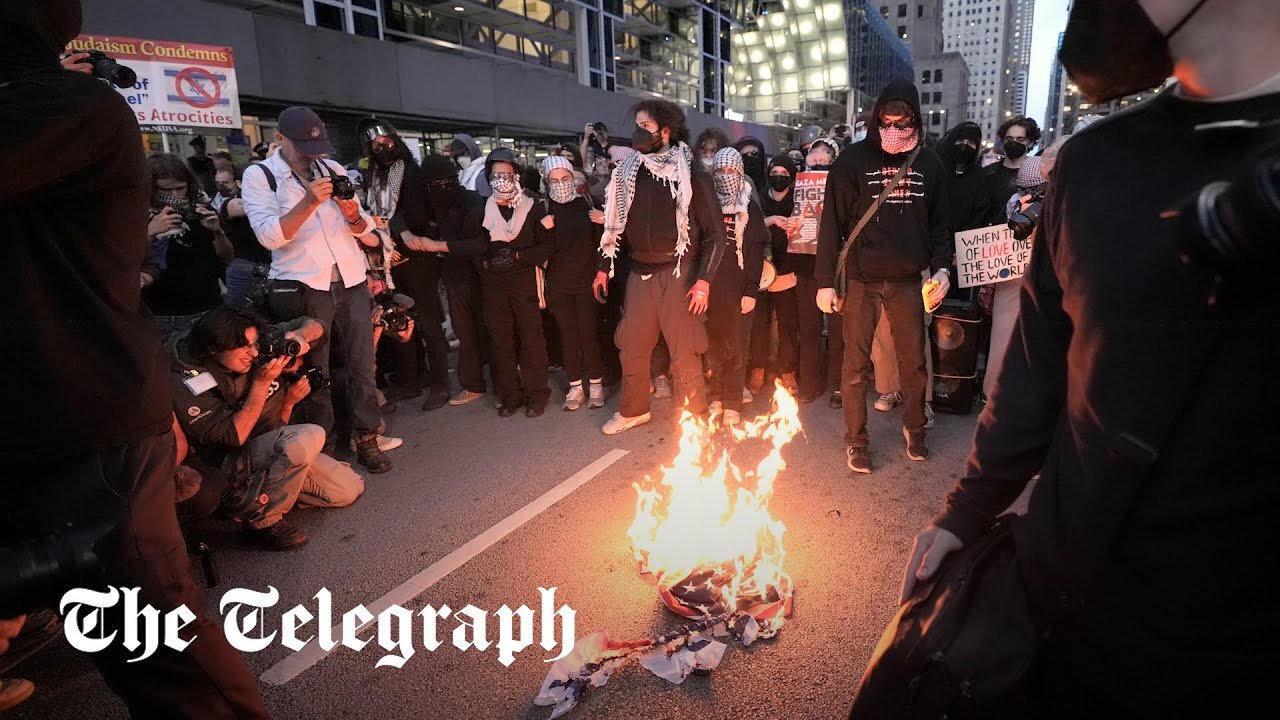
(242, 278)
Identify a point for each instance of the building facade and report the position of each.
(804, 62)
(942, 77)
(519, 73)
(994, 36)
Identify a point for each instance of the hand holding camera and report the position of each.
(269, 371)
(320, 189)
(299, 390)
(208, 218)
(164, 221)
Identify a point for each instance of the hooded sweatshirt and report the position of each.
(967, 200)
(85, 364)
(909, 233)
(472, 176)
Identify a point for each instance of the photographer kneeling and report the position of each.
(235, 384)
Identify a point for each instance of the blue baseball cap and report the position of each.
(307, 131)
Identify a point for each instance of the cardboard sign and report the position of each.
(990, 255)
(810, 190)
(180, 85)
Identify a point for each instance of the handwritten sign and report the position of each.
(990, 255)
(810, 190)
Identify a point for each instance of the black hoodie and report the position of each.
(967, 201)
(84, 366)
(909, 233)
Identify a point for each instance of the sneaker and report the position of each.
(747, 396)
(436, 399)
(837, 400)
(596, 398)
(14, 692)
(386, 443)
(915, 445)
(715, 408)
(283, 535)
(574, 398)
(789, 384)
(888, 401)
(618, 424)
(464, 397)
(370, 455)
(859, 459)
(731, 418)
(755, 382)
(928, 416)
(662, 387)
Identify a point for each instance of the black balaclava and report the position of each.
(440, 176)
(35, 32)
(754, 166)
(784, 161)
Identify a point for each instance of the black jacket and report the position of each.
(909, 233)
(460, 227)
(1157, 477)
(756, 237)
(189, 270)
(83, 362)
(572, 267)
(650, 235)
(533, 246)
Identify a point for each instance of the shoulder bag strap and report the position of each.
(866, 218)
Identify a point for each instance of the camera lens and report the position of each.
(119, 75)
(1227, 224)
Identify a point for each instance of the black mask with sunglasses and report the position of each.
(903, 124)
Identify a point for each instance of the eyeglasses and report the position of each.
(904, 124)
(442, 184)
(502, 176)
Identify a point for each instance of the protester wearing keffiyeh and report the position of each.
(732, 191)
(672, 168)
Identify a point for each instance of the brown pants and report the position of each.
(655, 306)
(145, 550)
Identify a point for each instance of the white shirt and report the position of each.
(322, 241)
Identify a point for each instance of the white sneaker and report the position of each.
(618, 424)
(662, 387)
(573, 399)
(731, 418)
(715, 408)
(888, 401)
(747, 397)
(928, 416)
(385, 443)
(464, 397)
(596, 398)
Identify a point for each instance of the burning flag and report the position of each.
(704, 531)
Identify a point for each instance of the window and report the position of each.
(328, 16)
(920, 11)
(935, 119)
(924, 78)
(937, 98)
(366, 25)
(902, 31)
(902, 10)
(884, 10)
(937, 75)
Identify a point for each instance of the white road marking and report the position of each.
(295, 664)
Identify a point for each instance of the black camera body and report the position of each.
(1023, 222)
(396, 311)
(274, 344)
(315, 376)
(343, 188)
(35, 574)
(106, 68)
(1229, 226)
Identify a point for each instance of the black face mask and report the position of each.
(1014, 150)
(965, 154)
(752, 165)
(820, 168)
(443, 194)
(779, 182)
(644, 141)
(1111, 48)
(386, 155)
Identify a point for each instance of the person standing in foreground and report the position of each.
(908, 234)
(318, 268)
(675, 246)
(86, 366)
(1133, 386)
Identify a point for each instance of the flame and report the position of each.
(707, 514)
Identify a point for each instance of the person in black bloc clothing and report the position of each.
(736, 285)
(1134, 389)
(569, 275)
(520, 243)
(908, 233)
(86, 367)
(440, 217)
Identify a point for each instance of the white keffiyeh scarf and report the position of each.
(382, 199)
(503, 230)
(733, 192)
(672, 168)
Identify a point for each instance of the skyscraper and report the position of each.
(994, 36)
(942, 77)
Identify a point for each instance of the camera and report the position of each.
(35, 574)
(105, 67)
(343, 188)
(274, 344)
(1023, 222)
(1230, 225)
(315, 376)
(395, 311)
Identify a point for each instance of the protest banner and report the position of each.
(810, 189)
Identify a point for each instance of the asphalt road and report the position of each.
(463, 470)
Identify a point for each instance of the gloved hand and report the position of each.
(501, 258)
